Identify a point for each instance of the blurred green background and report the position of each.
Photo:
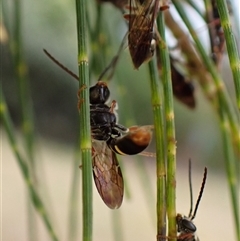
(52, 25)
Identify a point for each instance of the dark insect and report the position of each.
(183, 88)
(185, 227)
(106, 170)
(142, 35)
(108, 139)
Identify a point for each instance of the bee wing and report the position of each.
(107, 174)
(141, 33)
(139, 13)
(143, 13)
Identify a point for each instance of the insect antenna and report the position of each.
(190, 187)
(61, 65)
(200, 193)
(114, 61)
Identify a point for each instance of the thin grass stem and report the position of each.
(26, 108)
(158, 117)
(195, 7)
(34, 195)
(85, 137)
(226, 114)
(220, 86)
(232, 49)
(170, 132)
(197, 69)
(231, 168)
(23, 84)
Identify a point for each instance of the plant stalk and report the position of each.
(33, 193)
(84, 112)
(232, 49)
(157, 105)
(170, 131)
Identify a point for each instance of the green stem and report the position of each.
(231, 168)
(209, 18)
(226, 112)
(221, 89)
(26, 107)
(36, 199)
(231, 45)
(195, 7)
(23, 84)
(157, 105)
(85, 137)
(170, 127)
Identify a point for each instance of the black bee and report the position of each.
(185, 226)
(109, 138)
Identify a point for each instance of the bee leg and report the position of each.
(113, 106)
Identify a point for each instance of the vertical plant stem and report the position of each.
(226, 112)
(157, 105)
(232, 169)
(170, 127)
(221, 89)
(25, 107)
(193, 4)
(85, 138)
(36, 199)
(209, 18)
(231, 46)
(23, 83)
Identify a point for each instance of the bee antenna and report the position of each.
(200, 193)
(114, 61)
(61, 65)
(190, 187)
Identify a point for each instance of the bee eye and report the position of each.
(188, 226)
(99, 93)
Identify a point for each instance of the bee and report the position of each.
(185, 227)
(183, 88)
(142, 35)
(110, 138)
